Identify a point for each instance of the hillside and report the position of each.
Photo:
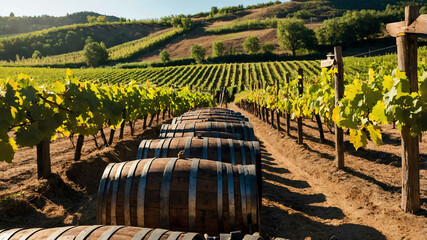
(257, 20)
(15, 25)
(55, 41)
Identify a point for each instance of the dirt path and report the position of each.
(305, 197)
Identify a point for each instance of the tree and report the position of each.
(214, 10)
(101, 19)
(251, 44)
(268, 47)
(217, 49)
(12, 14)
(95, 54)
(37, 54)
(91, 19)
(293, 35)
(186, 23)
(164, 56)
(198, 52)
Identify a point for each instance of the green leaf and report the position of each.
(29, 136)
(7, 149)
(388, 82)
(378, 113)
(375, 134)
(358, 138)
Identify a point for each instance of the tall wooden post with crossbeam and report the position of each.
(407, 58)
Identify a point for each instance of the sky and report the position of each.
(131, 9)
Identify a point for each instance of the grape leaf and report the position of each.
(358, 138)
(375, 134)
(378, 113)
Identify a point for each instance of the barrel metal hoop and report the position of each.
(159, 148)
(251, 130)
(252, 188)
(162, 130)
(252, 150)
(192, 191)
(30, 233)
(110, 232)
(172, 133)
(86, 232)
(242, 151)
(233, 131)
(58, 233)
(101, 192)
(165, 192)
(243, 196)
(166, 147)
(115, 193)
(183, 129)
(141, 149)
(10, 233)
(140, 207)
(193, 126)
(220, 196)
(231, 203)
(128, 189)
(205, 148)
(157, 234)
(232, 153)
(147, 148)
(141, 234)
(105, 196)
(174, 235)
(219, 149)
(191, 236)
(209, 126)
(245, 129)
(187, 147)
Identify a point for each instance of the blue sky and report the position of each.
(138, 9)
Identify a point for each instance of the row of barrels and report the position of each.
(101, 232)
(203, 174)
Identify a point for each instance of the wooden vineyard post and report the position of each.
(406, 41)
(277, 110)
(300, 92)
(288, 115)
(43, 159)
(339, 93)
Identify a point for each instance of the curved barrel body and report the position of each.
(212, 110)
(216, 149)
(96, 232)
(209, 118)
(180, 194)
(239, 131)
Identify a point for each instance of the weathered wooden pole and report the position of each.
(407, 62)
(277, 110)
(43, 159)
(288, 115)
(300, 92)
(339, 93)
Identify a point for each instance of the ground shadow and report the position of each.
(296, 226)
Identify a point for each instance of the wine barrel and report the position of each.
(209, 118)
(96, 232)
(193, 113)
(180, 194)
(216, 149)
(214, 109)
(239, 131)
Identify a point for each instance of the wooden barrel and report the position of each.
(209, 118)
(180, 194)
(239, 131)
(213, 112)
(215, 149)
(96, 232)
(213, 109)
